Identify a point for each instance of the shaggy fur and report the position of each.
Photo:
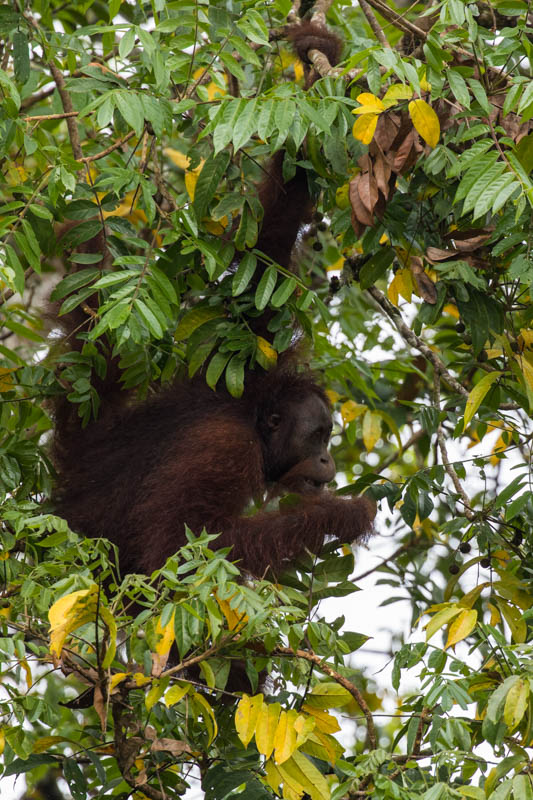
(190, 456)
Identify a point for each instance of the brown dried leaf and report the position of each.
(382, 171)
(426, 287)
(387, 131)
(360, 213)
(368, 191)
(159, 662)
(174, 746)
(436, 254)
(100, 706)
(467, 241)
(403, 156)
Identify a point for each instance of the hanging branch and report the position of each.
(469, 514)
(373, 22)
(68, 108)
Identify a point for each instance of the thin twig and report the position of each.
(41, 117)
(348, 685)
(469, 514)
(115, 146)
(374, 24)
(411, 338)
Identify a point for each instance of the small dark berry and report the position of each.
(322, 226)
(460, 327)
(514, 347)
(318, 217)
(453, 569)
(317, 247)
(468, 339)
(518, 538)
(334, 285)
(465, 547)
(482, 356)
(485, 562)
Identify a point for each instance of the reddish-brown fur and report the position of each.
(190, 456)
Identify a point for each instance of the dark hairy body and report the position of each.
(189, 456)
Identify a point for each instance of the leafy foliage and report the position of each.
(153, 123)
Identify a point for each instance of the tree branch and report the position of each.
(412, 339)
(68, 108)
(342, 681)
(374, 24)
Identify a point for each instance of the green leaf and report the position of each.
(73, 282)
(245, 125)
(194, 318)
(216, 368)
(21, 56)
(283, 292)
(235, 376)
(253, 26)
(459, 87)
(244, 274)
(265, 287)
(376, 267)
(208, 180)
(130, 106)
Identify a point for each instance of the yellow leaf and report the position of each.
(468, 600)
(323, 746)
(207, 714)
(424, 84)
(370, 104)
(2, 740)
(333, 396)
(401, 284)
(140, 679)
(4, 555)
(298, 71)
(512, 616)
(265, 729)
(495, 616)
(117, 678)
(398, 91)
(301, 773)
(285, 737)
(365, 127)
(461, 627)
(441, 619)
(304, 726)
(6, 379)
(425, 121)
(179, 159)
(246, 717)
(371, 429)
(336, 265)
(268, 351)
(153, 695)
(191, 179)
(69, 613)
(350, 410)
(342, 195)
(516, 703)
(273, 776)
(176, 693)
(526, 368)
(166, 636)
(476, 396)
(43, 744)
(26, 667)
(324, 721)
